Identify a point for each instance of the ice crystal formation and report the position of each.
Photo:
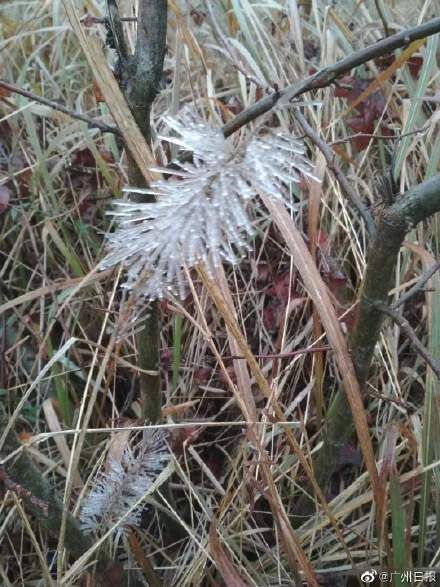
(203, 210)
(116, 490)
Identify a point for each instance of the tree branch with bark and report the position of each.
(415, 206)
(140, 82)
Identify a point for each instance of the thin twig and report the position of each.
(392, 400)
(407, 329)
(327, 75)
(426, 275)
(395, 137)
(283, 355)
(96, 20)
(333, 165)
(91, 122)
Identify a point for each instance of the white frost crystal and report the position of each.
(202, 211)
(125, 481)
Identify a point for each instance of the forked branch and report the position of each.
(413, 207)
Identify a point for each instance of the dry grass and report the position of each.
(65, 367)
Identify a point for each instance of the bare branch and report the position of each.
(414, 206)
(91, 122)
(326, 76)
(375, 137)
(318, 349)
(426, 275)
(24, 478)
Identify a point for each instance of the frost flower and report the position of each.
(202, 212)
(115, 491)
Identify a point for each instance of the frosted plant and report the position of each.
(203, 211)
(115, 491)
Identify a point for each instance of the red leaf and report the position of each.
(202, 375)
(106, 155)
(5, 195)
(165, 358)
(282, 288)
(271, 317)
(4, 93)
(5, 132)
(88, 21)
(369, 110)
(215, 466)
(414, 64)
(183, 436)
(83, 158)
(231, 375)
(322, 240)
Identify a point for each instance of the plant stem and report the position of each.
(413, 207)
(410, 209)
(141, 77)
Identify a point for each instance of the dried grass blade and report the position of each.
(114, 98)
(389, 71)
(318, 292)
(54, 287)
(222, 560)
(416, 103)
(282, 519)
(54, 426)
(41, 556)
(66, 346)
(313, 221)
(243, 379)
(143, 561)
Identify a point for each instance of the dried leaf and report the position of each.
(318, 292)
